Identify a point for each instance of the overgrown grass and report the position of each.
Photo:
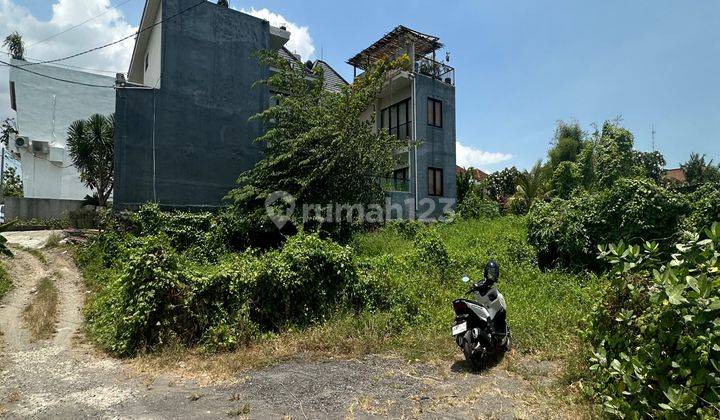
(53, 241)
(37, 254)
(41, 314)
(5, 282)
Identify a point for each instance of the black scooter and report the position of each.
(480, 328)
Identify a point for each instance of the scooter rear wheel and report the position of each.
(477, 360)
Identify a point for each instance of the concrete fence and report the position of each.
(38, 208)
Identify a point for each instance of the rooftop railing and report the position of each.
(436, 70)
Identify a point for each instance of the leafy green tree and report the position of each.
(464, 181)
(698, 171)
(565, 179)
(320, 146)
(502, 184)
(652, 164)
(530, 188)
(567, 143)
(12, 183)
(586, 165)
(614, 155)
(91, 144)
(15, 45)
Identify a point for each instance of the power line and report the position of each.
(70, 65)
(56, 78)
(80, 24)
(119, 40)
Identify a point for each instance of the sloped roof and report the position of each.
(333, 80)
(393, 41)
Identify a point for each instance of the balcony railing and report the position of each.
(436, 70)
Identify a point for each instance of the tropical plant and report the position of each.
(567, 143)
(464, 181)
(614, 155)
(565, 179)
(530, 188)
(698, 171)
(15, 45)
(320, 148)
(12, 185)
(656, 333)
(91, 145)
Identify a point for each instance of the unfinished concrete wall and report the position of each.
(184, 145)
(38, 208)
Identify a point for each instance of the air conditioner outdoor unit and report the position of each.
(40, 146)
(56, 154)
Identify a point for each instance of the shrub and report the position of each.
(633, 210)
(475, 206)
(705, 204)
(140, 306)
(656, 334)
(183, 229)
(565, 179)
(431, 252)
(302, 283)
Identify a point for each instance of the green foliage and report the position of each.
(698, 171)
(565, 179)
(319, 147)
(464, 181)
(502, 184)
(185, 230)
(614, 155)
(656, 333)
(705, 207)
(303, 282)
(530, 188)
(567, 143)
(91, 145)
(633, 210)
(15, 45)
(474, 206)
(652, 164)
(4, 249)
(12, 183)
(5, 282)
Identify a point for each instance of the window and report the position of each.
(435, 182)
(400, 179)
(434, 113)
(396, 120)
(147, 60)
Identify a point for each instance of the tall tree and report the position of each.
(15, 45)
(321, 147)
(567, 143)
(698, 171)
(12, 183)
(91, 145)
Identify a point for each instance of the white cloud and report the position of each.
(469, 156)
(300, 40)
(66, 13)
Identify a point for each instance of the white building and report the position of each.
(45, 109)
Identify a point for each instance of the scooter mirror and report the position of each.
(466, 279)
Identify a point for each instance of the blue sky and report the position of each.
(521, 66)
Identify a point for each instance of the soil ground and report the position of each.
(63, 377)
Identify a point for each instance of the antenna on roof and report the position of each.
(652, 135)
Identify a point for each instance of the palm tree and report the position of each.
(15, 46)
(91, 146)
(530, 187)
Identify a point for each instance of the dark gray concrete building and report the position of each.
(183, 133)
(183, 129)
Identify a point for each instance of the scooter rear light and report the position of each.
(459, 305)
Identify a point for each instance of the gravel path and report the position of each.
(64, 378)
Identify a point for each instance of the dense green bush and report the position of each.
(633, 210)
(136, 309)
(303, 282)
(565, 179)
(474, 206)
(656, 334)
(705, 204)
(184, 229)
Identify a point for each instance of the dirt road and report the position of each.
(62, 377)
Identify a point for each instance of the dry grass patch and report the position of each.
(40, 315)
(53, 241)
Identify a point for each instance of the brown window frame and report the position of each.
(436, 106)
(432, 182)
(394, 127)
